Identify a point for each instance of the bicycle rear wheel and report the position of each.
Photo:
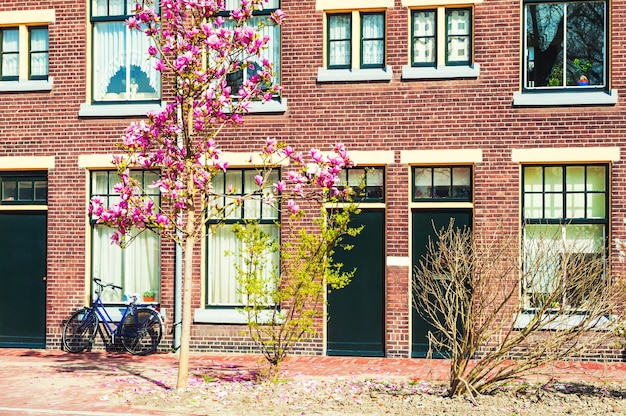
(80, 330)
(141, 331)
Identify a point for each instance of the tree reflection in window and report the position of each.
(565, 44)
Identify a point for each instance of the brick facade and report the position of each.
(397, 115)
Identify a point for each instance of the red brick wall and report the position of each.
(396, 115)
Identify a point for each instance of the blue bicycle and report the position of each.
(140, 328)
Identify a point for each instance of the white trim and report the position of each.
(26, 85)
(23, 207)
(96, 161)
(372, 157)
(441, 156)
(426, 3)
(442, 72)
(26, 162)
(270, 106)
(232, 315)
(440, 205)
(27, 17)
(545, 99)
(398, 261)
(117, 110)
(354, 75)
(566, 154)
(565, 321)
(351, 4)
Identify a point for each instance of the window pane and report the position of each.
(339, 48)
(596, 178)
(459, 36)
(575, 205)
(575, 178)
(424, 37)
(565, 44)
(461, 182)
(441, 181)
(122, 71)
(554, 178)
(373, 47)
(553, 205)
(10, 57)
(41, 190)
(533, 179)
(596, 206)
(38, 52)
(533, 206)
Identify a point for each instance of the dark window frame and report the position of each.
(469, 194)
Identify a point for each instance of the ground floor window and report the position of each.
(224, 249)
(565, 214)
(135, 268)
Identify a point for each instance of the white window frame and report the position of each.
(23, 20)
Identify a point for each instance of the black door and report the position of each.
(22, 279)
(425, 222)
(356, 312)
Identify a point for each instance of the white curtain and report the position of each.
(39, 52)
(122, 70)
(339, 40)
(135, 268)
(424, 37)
(458, 35)
(373, 27)
(10, 57)
(223, 255)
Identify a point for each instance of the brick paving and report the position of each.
(51, 382)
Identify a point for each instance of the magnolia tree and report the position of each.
(196, 44)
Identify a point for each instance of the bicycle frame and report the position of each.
(106, 319)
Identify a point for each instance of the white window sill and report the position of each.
(564, 98)
(117, 110)
(442, 72)
(219, 316)
(226, 316)
(354, 75)
(271, 106)
(563, 322)
(26, 85)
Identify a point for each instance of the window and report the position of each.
(24, 44)
(368, 183)
(564, 206)
(442, 183)
(371, 42)
(122, 71)
(457, 37)
(267, 28)
(223, 247)
(441, 44)
(565, 45)
(355, 47)
(24, 189)
(137, 267)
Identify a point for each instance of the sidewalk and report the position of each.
(52, 382)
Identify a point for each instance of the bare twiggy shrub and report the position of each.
(499, 315)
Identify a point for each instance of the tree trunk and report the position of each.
(185, 336)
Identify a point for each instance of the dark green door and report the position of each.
(423, 230)
(356, 312)
(22, 279)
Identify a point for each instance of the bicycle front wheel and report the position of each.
(141, 331)
(80, 330)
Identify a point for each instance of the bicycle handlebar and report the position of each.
(111, 285)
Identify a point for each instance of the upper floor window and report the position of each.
(455, 36)
(565, 45)
(260, 19)
(24, 53)
(369, 40)
(121, 68)
(368, 183)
